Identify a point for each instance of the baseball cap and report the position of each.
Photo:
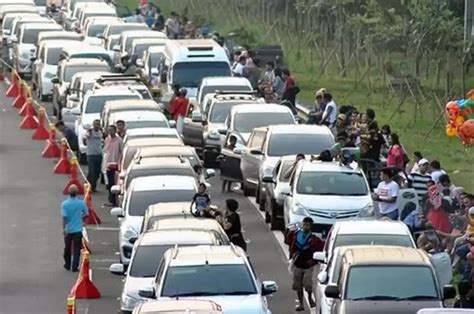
(423, 161)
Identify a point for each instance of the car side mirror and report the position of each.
(268, 179)
(163, 77)
(322, 277)
(210, 173)
(117, 212)
(117, 269)
(255, 151)
(285, 190)
(196, 116)
(320, 257)
(269, 287)
(237, 150)
(115, 189)
(172, 123)
(133, 240)
(222, 131)
(449, 292)
(55, 80)
(147, 292)
(332, 291)
(139, 63)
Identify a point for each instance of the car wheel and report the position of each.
(82, 159)
(246, 190)
(267, 217)
(275, 222)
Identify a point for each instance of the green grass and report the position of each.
(304, 64)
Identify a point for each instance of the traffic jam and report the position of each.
(205, 180)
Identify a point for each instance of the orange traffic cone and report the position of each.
(92, 218)
(41, 132)
(29, 122)
(71, 305)
(20, 100)
(51, 150)
(84, 288)
(13, 90)
(63, 166)
(74, 180)
(27, 104)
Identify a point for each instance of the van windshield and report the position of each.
(245, 122)
(52, 57)
(190, 74)
(292, 144)
(95, 30)
(30, 36)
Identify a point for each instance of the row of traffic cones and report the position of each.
(84, 288)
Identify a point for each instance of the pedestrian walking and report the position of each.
(93, 139)
(73, 211)
(69, 135)
(112, 154)
(386, 194)
(302, 245)
(179, 108)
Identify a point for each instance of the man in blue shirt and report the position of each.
(69, 135)
(73, 210)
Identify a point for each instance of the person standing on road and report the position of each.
(386, 194)
(94, 138)
(69, 135)
(179, 108)
(302, 245)
(112, 154)
(73, 211)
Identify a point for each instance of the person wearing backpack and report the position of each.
(302, 245)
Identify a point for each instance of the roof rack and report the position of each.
(230, 92)
(118, 77)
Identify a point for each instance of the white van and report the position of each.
(187, 62)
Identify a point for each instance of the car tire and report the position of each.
(82, 159)
(246, 190)
(275, 223)
(267, 217)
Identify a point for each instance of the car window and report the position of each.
(53, 55)
(245, 122)
(139, 201)
(292, 144)
(284, 169)
(208, 280)
(190, 74)
(95, 104)
(159, 273)
(331, 183)
(405, 282)
(147, 259)
(220, 111)
(95, 30)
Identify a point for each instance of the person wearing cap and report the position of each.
(330, 113)
(419, 179)
(319, 106)
(386, 195)
(179, 108)
(73, 211)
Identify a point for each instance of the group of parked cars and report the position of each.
(166, 252)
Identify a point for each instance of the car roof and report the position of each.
(165, 151)
(144, 33)
(84, 61)
(156, 49)
(207, 255)
(185, 223)
(163, 182)
(370, 227)
(172, 207)
(161, 163)
(246, 108)
(183, 305)
(138, 115)
(122, 104)
(383, 255)
(44, 26)
(111, 91)
(103, 20)
(150, 131)
(297, 129)
(179, 236)
(158, 141)
(225, 80)
(84, 48)
(329, 166)
(56, 43)
(150, 40)
(89, 75)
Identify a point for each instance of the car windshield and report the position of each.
(292, 144)
(30, 36)
(95, 30)
(7, 22)
(139, 201)
(52, 57)
(41, 3)
(373, 239)
(95, 104)
(146, 260)
(245, 122)
(117, 29)
(208, 280)
(391, 283)
(155, 58)
(139, 124)
(71, 70)
(332, 183)
(220, 111)
(224, 88)
(190, 74)
(140, 49)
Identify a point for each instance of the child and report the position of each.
(201, 199)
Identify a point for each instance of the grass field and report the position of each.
(455, 159)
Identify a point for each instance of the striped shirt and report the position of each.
(419, 182)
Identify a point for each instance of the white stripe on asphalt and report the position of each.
(103, 228)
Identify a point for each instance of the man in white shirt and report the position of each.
(436, 171)
(240, 66)
(419, 179)
(386, 194)
(172, 26)
(329, 117)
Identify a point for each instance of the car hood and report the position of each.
(251, 304)
(386, 307)
(333, 202)
(133, 284)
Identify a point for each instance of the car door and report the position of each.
(252, 157)
(193, 126)
(270, 187)
(230, 162)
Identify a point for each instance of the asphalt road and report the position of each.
(32, 279)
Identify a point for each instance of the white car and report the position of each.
(350, 233)
(148, 252)
(25, 49)
(220, 83)
(327, 192)
(140, 119)
(95, 26)
(142, 192)
(150, 60)
(92, 106)
(150, 132)
(222, 274)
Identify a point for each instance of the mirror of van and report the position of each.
(139, 63)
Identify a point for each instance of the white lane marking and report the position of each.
(103, 228)
(104, 260)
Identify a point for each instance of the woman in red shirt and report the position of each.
(396, 153)
(179, 108)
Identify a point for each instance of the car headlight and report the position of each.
(128, 302)
(299, 210)
(49, 75)
(130, 233)
(367, 211)
(214, 135)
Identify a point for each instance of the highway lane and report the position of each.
(31, 273)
